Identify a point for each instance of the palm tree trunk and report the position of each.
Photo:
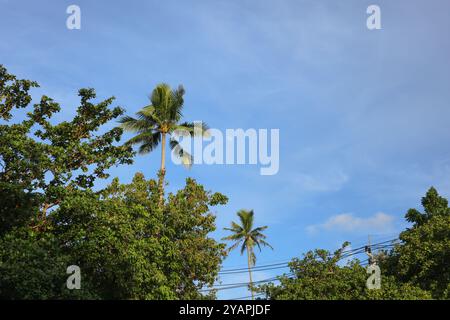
(250, 271)
(162, 169)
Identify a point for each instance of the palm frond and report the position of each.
(148, 142)
(235, 230)
(161, 99)
(141, 138)
(243, 247)
(266, 244)
(160, 94)
(186, 158)
(257, 235)
(234, 227)
(257, 243)
(176, 103)
(246, 218)
(259, 229)
(149, 115)
(235, 236)
(194, 129)
(135, 125)
(233, 246)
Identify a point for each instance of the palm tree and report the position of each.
(157, 121)
(247, 236)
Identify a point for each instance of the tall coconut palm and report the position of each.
(155, 122)
(249, 238)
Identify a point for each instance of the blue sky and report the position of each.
(363, 115)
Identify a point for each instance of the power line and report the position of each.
(259, 269)
(378, 246)
(281, 265)
(266, 263)
(253, 268)
(349, 253)
(272, 264)
(242, 284)
(246, 283)
(248, 297)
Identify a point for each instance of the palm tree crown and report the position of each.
(159, 119)
(248, 237)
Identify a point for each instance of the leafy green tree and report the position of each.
(422, 258)
(157, 121)
(13, 93)
(33, 266)
(318, 276)
(126, 245)
(53, 159)
(145, 251)
(17, 207)
(248, 237)
(433, 204)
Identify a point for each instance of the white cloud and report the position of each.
(348, 223)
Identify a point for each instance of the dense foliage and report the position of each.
(50, 218)
(53, 159)
(318, 275)
(126, 247)
(423, 258)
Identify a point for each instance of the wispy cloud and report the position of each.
(348, 223)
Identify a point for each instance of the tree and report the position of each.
(125, 244)
(157, 121)
(17, 207)
(249, 238)
(53, 159)
(318, 276)
(33, 266)
(13, 93)
(422, 258)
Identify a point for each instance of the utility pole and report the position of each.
(369, 251)
(374, 281)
